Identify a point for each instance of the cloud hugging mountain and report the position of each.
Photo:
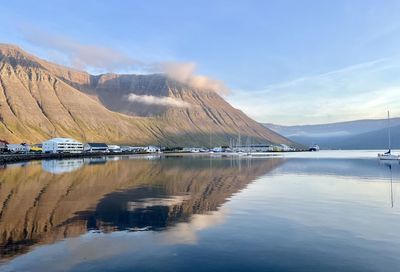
(40, 100)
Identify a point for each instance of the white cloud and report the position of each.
(186, 73)
(187, 233)
(156, 100)
(360, 91)
(79, 55)
(103, 59)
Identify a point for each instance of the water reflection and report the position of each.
(38, 207)
(70, 165)
(172, 214)
(62, 166)
(365, 169)
(359, 169)
(390, 165)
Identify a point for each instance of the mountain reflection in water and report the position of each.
(52, 200)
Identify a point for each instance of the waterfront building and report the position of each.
(286, 148)
(151, 149)
(3, 146)
(126, 148)
(95, 147)
(114, 148)
(62, 145)
(18, 148)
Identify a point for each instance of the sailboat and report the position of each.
(388, 155)
(248, 145)
(239, 151)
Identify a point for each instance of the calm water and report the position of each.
(324, 211)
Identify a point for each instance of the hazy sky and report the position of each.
(285, 62)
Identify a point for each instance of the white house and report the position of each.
(95, 147)
(62, 145)
(18, 148)
(114, 148)
(151, 149)
(286, 148)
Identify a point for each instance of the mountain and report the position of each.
(359, 134)
(377, 139)
(40, 100)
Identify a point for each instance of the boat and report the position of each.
(248, 144)
(388, 155)
(314, 148)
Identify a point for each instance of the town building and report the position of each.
(286, 148)
(3, 146)
(151, 149)
(114, 148)
(125, 148)
(95, 147)
(62, 145)
(18, 148)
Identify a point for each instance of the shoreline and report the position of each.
(11, 158)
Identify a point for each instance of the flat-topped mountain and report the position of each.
(40, 100)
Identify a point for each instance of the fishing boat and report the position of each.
(388, 155)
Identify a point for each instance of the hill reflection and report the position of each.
(70, 198)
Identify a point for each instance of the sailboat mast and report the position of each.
(389, 131)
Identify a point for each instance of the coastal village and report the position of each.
(71, 146)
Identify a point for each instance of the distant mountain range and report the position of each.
(41, 100)
(359, 134)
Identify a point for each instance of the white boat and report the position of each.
(388, 156)
(314, 147)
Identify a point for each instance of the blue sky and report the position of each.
(287, 62)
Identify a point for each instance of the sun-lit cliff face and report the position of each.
(39, 100)
(39, 207)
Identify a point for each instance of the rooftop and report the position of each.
(97, 145)
(63, 140)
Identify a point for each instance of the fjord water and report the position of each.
(324, 211)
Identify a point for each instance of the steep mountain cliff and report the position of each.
(39, 100)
